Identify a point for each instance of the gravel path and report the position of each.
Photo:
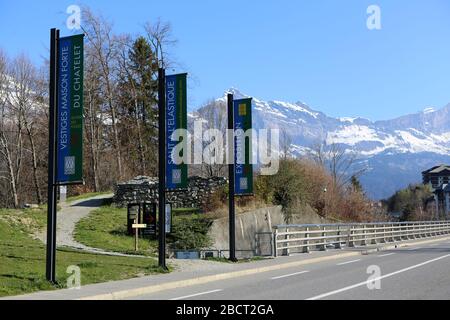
(68, 216)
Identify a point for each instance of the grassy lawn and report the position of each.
(105, 228)
(22, 259)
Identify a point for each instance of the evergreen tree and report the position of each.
(138, 94)
(356, 184)
(144, 68)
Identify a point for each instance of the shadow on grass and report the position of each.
(92, 203)
(33, 279)
(122, 232)
(23, 258)
(12, 245)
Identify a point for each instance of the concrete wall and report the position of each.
(250, 223)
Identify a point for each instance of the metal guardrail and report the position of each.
(288, 239)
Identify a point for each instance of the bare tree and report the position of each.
(102, 46)
(28, 108)
(8, 133)
(214, 116)
(5, 164)
(94, 117)
(159, 34)
(339, 162)
(285, 143)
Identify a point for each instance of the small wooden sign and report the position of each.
(139, 226)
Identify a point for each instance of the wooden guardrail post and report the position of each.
(375, 234)
(337, 245)
(409, 230)
(287, 237)
(413, 234)
(323, 247)
(398, 233)
(383, 239)
(306, 241)
(363, 237)
(350, 240)
(402, 233)
(418, 230)
(275, 244)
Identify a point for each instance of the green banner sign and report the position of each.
(243, 168)
(176, 118)
(69, 141)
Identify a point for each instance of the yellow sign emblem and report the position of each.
(242, 109)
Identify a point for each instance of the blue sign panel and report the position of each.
(69, 140)
(176, 118)
(243, 168)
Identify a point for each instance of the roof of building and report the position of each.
(437, 169)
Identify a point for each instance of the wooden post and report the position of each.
(136, 236)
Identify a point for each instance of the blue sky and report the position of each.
(319, 52)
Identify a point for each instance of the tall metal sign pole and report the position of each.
(231, 209)
(65, 147)
(51, 202)
(162, 167)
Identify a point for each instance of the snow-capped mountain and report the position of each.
(394, 152)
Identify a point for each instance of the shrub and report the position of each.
(191, 232)
(412, 202)
(216, 200)
(304, 182)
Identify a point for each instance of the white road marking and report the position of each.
(410, 249)
(347, 262)
(288, 275)
(196, 294)
(327, 294)
(387, 254)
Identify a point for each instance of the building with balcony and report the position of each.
(438, 178)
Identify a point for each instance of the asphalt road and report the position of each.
(418, 272)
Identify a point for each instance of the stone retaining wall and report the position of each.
(145, 189)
